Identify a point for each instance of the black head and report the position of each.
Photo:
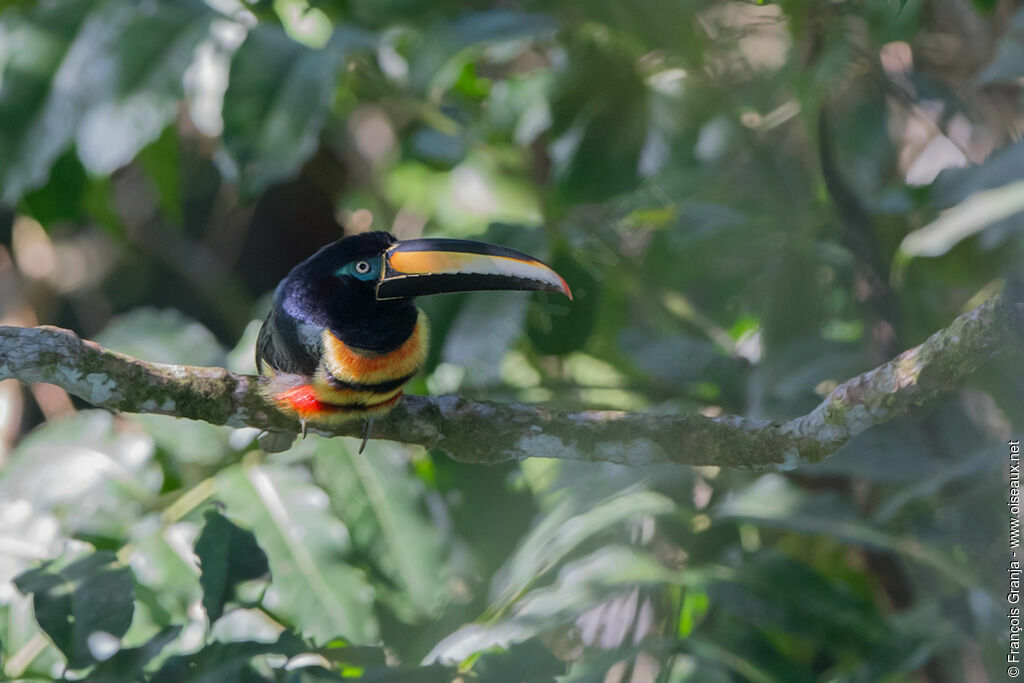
(360, 287)
(335, 288)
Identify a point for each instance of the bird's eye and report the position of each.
(362, 267)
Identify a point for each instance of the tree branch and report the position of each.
(484, 432)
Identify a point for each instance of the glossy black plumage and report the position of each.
(313, 298)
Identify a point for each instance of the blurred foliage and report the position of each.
(163, 163)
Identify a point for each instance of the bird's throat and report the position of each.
(350, 365)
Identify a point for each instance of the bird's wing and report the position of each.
(283, 347)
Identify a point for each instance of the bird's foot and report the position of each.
(303, 430)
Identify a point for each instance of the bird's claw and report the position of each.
(367, 426)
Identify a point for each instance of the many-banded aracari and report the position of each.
(343, 336)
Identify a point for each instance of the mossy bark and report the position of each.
(484, 432)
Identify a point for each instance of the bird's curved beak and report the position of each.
(437, 266)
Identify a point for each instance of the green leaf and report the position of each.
(530, 661)
(276, 103)
(870, 458)
(422, 674)
(437, 62)
(692, 611)
(62, 198)
(312, 674)
(485, 325)
(971, 216)
(338, 651)
(556, 326)
(140, 70)
(313, 587)
(18, 629)
(162, 161)
(954, 185)
(162, 336)
(774, 501)
(739, 662)
(438, 150)
(106, 74)
(594, 663)
(228, 556)
(673, 359)
(168, 336)
(77, 597)
(49, 44)
(581, 585)
(482, 326)
(225, 662)
(187, 441)
(127, 664)
(241, 359)
(382, 502)
(167, 584)
(824, 610)
(95, 477)
(599, 116)
(497, 25)
(559, 532)
(1007, 64)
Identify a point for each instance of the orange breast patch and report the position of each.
(359, 367)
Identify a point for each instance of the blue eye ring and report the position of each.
(363, 269)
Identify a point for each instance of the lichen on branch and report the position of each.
(487, 432)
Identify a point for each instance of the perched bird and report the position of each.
(343, 336)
